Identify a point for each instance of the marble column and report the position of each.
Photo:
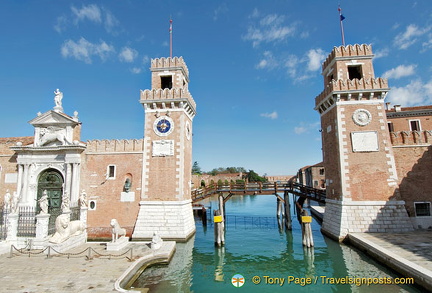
(68, 179)
(74, 183)
(20, 175)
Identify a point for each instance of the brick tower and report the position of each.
(361, 175)
(165, 205)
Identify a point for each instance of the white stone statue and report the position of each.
(15, 201)
(7, 200)
(117, 230)
(83, 199)
(58, 98)
(66, 228)
(43, 203)
(156, 242)
(65, 205)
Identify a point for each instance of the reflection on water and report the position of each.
(256, 247)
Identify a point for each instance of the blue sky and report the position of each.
(254, 67)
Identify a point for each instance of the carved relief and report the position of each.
(52, 134)
(362, 117)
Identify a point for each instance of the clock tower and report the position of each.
(165, 205)
(361, 177)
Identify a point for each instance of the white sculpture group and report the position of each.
(11, 201)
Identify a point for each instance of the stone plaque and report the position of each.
(11, 177)
(163, 148)
(364, 141)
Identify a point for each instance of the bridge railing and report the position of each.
(260, 188)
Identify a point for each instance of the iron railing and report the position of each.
(27, 222)
(3, 222)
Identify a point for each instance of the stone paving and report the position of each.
(38, 273)
(409, 253)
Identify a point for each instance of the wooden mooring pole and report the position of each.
(288, 223)
(218, 228)
(306, 221)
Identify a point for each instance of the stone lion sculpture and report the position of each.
(52, 134)
(66, 228)
(117, 230)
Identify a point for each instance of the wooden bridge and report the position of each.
(304, 191)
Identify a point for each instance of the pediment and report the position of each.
(52, 118)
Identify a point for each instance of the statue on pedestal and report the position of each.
(58, 98)
(7, 200)
(83, 199)
(117, 230)
(66, 229)
(14, 202)
(65, 205)
(43, 203)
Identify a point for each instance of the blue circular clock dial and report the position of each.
(163, 126)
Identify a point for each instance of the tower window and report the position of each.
(355, 72)
(390, 127)
(166, 82)
(415, 125)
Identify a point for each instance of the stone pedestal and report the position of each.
(12, 227)
(343, 217)
(172, 220)
(83, 215)
(70, 243)
(120, 243)
(42, 221)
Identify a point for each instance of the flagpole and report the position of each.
(170, 32)
(341, 18)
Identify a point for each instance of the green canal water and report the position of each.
(257, 247)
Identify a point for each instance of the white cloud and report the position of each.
(127, 54)
(413, 94)
(91, 12)
(268, 61)
(110, 21)
(306, 127)
(273, 115)
(381, 53)
(428, 44)
(84, 50)
(60, 24)
(410, 36)
(400, 71)
(269, 29)
(136, 70)
(315, 59)
(221, 9)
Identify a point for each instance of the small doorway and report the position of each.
(51, 180)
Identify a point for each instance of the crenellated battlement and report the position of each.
(348, 51)
(411, 138)
(115, 145)
(157, 96)
(356, 87)
(163, 63)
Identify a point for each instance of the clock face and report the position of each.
(163, 126)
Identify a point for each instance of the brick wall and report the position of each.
(126, 156)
